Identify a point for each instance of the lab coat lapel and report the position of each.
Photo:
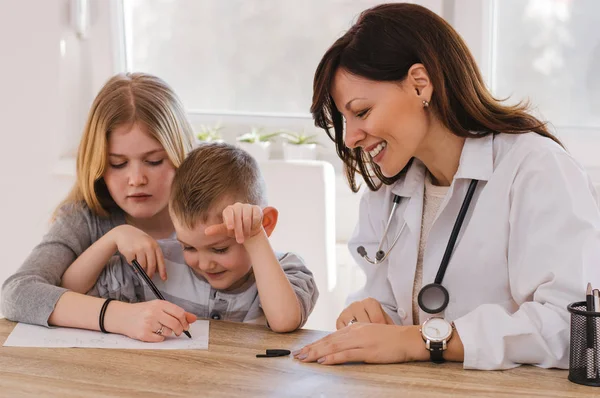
(404, 256)
(476, 162)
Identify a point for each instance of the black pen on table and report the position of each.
(152, 286)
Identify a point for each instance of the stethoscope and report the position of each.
(433, 298)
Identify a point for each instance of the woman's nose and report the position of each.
(354, 135)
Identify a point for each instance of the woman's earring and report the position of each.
(425, 104)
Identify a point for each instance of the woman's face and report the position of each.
(139, 173)
(385, 119)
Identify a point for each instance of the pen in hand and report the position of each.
(152, 286)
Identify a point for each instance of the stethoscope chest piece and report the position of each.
(433, 298)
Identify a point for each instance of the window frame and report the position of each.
(475, 20)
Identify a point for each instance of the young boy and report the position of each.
(221, 218)
(218, 208)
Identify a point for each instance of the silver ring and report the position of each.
(353, 320)
(159, 331)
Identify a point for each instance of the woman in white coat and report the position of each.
(410, 113)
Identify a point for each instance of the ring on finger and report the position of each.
(353, 320)
(160, 331)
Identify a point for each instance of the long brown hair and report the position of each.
(382, 45)
(126, 99)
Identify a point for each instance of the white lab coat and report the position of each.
(528, 246)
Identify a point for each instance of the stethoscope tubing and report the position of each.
(381, 256)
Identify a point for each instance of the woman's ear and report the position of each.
(418, 78)
(270, 216)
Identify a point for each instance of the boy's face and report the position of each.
(222, 261)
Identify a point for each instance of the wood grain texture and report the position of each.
(229, 368)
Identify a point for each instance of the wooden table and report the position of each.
(230, 369)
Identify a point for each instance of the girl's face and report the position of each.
(139, 173)
(385, 119)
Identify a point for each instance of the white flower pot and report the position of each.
(199, 142)
(299, 152)
(258, 150)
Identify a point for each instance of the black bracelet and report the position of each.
(102, 313)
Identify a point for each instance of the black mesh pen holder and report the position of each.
(584, 359)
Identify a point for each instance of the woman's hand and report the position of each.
(368, 310)
(141, 321)
(135, 244)
(367, 342)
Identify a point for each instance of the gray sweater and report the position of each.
(31, 294)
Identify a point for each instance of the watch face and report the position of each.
(437, 329)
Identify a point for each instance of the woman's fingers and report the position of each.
(374, 311)
(332, 344)
(341, 322)
(351, 355)
(344, 318)
(360, 314)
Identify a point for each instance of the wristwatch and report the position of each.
(436, 333)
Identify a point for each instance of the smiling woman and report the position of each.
(411, 114)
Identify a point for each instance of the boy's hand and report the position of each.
(134, 243)
(240, 221)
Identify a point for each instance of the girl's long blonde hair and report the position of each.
(126, 99)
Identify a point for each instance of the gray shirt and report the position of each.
(31, 294)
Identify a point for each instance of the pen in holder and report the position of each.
(584, 360)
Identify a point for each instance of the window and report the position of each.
(237, 56)
(549, 51)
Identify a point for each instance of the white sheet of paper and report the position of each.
(25, 335)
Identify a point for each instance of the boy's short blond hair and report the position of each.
(211, 173)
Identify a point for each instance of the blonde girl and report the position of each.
(135, 137)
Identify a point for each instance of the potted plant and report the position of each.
(299, 146)
(209, 134)
(257, 143)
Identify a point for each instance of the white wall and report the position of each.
(41, 99)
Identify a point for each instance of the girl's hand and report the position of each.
(135, 244)
(367, 342)
(141, 321)
(368, 310)
(240, 221)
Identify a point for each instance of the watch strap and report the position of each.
(436, 352)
